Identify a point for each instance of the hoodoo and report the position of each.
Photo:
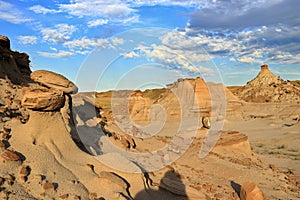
(267, 87)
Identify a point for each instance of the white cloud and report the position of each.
(97, 8)
(59, 54)
(87, 43)
(53, 48)
(42, 10)
(250, 60)
(26, 39)
(59, 34)
(117, 41)
(131, 54)
(97, 22)
(9, 13)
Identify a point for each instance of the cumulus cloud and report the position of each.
(98, 8)
(59, 54)
(97, 22)
(27, 39)
(253, 46)
(87, 44)
(59, 34)
(42, 10)
(130, 54)
(9, 13)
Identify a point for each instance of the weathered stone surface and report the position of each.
(9, 155)
(250, 191)
(41, 98)
(54, 80)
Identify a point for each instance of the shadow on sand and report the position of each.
(163, 191)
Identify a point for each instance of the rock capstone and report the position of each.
(54, 80)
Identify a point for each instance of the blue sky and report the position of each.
(102, 44)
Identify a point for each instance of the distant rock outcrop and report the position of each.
(267, 87)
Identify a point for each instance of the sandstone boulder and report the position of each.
(206, 122)
(250, 191)
(41, 98)
(54, 80)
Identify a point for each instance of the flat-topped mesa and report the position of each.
(264, 68)
(4, 42)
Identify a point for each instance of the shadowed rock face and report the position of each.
(4, 42)
(267, 87)
(13, 65)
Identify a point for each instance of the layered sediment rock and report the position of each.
(41, 98)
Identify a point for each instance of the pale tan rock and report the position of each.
(249, 191)
(41, 98)
(54, 80)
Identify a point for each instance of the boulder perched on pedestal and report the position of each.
(54, 80)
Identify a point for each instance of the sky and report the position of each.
(139, 44)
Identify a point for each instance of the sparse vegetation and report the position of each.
(293, 150)
(273, 152)
(153, 94)
(233, 89)
(260, 145)
(281, 146)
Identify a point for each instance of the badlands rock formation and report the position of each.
(266, 87)
(50, 141)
